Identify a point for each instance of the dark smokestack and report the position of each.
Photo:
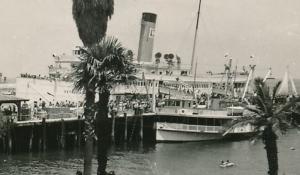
(146, 37)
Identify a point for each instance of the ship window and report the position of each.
(193, 121)
(210, 122)
(185, 120)
(201, 121)
(218, 122)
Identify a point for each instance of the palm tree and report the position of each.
(178, 61)
(169, 59)
(109, 64)
(268, 117)
(91, 18)
(157, 58)
(83, 81)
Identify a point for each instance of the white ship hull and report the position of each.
(175, 132)
(182, 136)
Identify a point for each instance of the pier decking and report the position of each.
(61, 133)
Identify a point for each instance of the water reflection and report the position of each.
(163, 159)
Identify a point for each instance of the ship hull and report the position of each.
(183, 136)
(178, 132)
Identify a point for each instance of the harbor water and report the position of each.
(165, 159)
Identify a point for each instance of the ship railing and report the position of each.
(191, 128)
(196, 112)
(176, 93)
(40, 116)
(61, 115)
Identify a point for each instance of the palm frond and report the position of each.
(106, 63)
(252, 109)
(287, 106)
(91, 18)
(275, 89)
(242, 121)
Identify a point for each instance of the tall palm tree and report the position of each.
(169, 59)
(91, 17)
(157, 58)
(109, 64)
(178, 61)
(269, 117)
(83, 81)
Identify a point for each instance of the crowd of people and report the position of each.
(26, 75)
(41, 77)
(38, 107)
(130, 104)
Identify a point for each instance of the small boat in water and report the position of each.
(226, 164)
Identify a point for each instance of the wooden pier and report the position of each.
(67, 133)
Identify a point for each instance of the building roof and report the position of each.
(10, 98)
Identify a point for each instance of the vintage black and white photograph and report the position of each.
(149, 87)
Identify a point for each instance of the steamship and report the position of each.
(189, 105)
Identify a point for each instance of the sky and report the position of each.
(32, 30)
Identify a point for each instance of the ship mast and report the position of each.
(194, 49)
(195, 39)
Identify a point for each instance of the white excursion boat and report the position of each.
(192, 124)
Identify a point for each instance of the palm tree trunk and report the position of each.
(89, 114)
(270, 141)
(103, 132)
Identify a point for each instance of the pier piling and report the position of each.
(40, 143)
(79, 132)
(9, 135)
(113, 126)
(125, 130)
(62, 136)
(142, 127)
(30, 139)
(44, 134)
(4, 143)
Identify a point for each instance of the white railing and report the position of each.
(196, 112)
(189, 128)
